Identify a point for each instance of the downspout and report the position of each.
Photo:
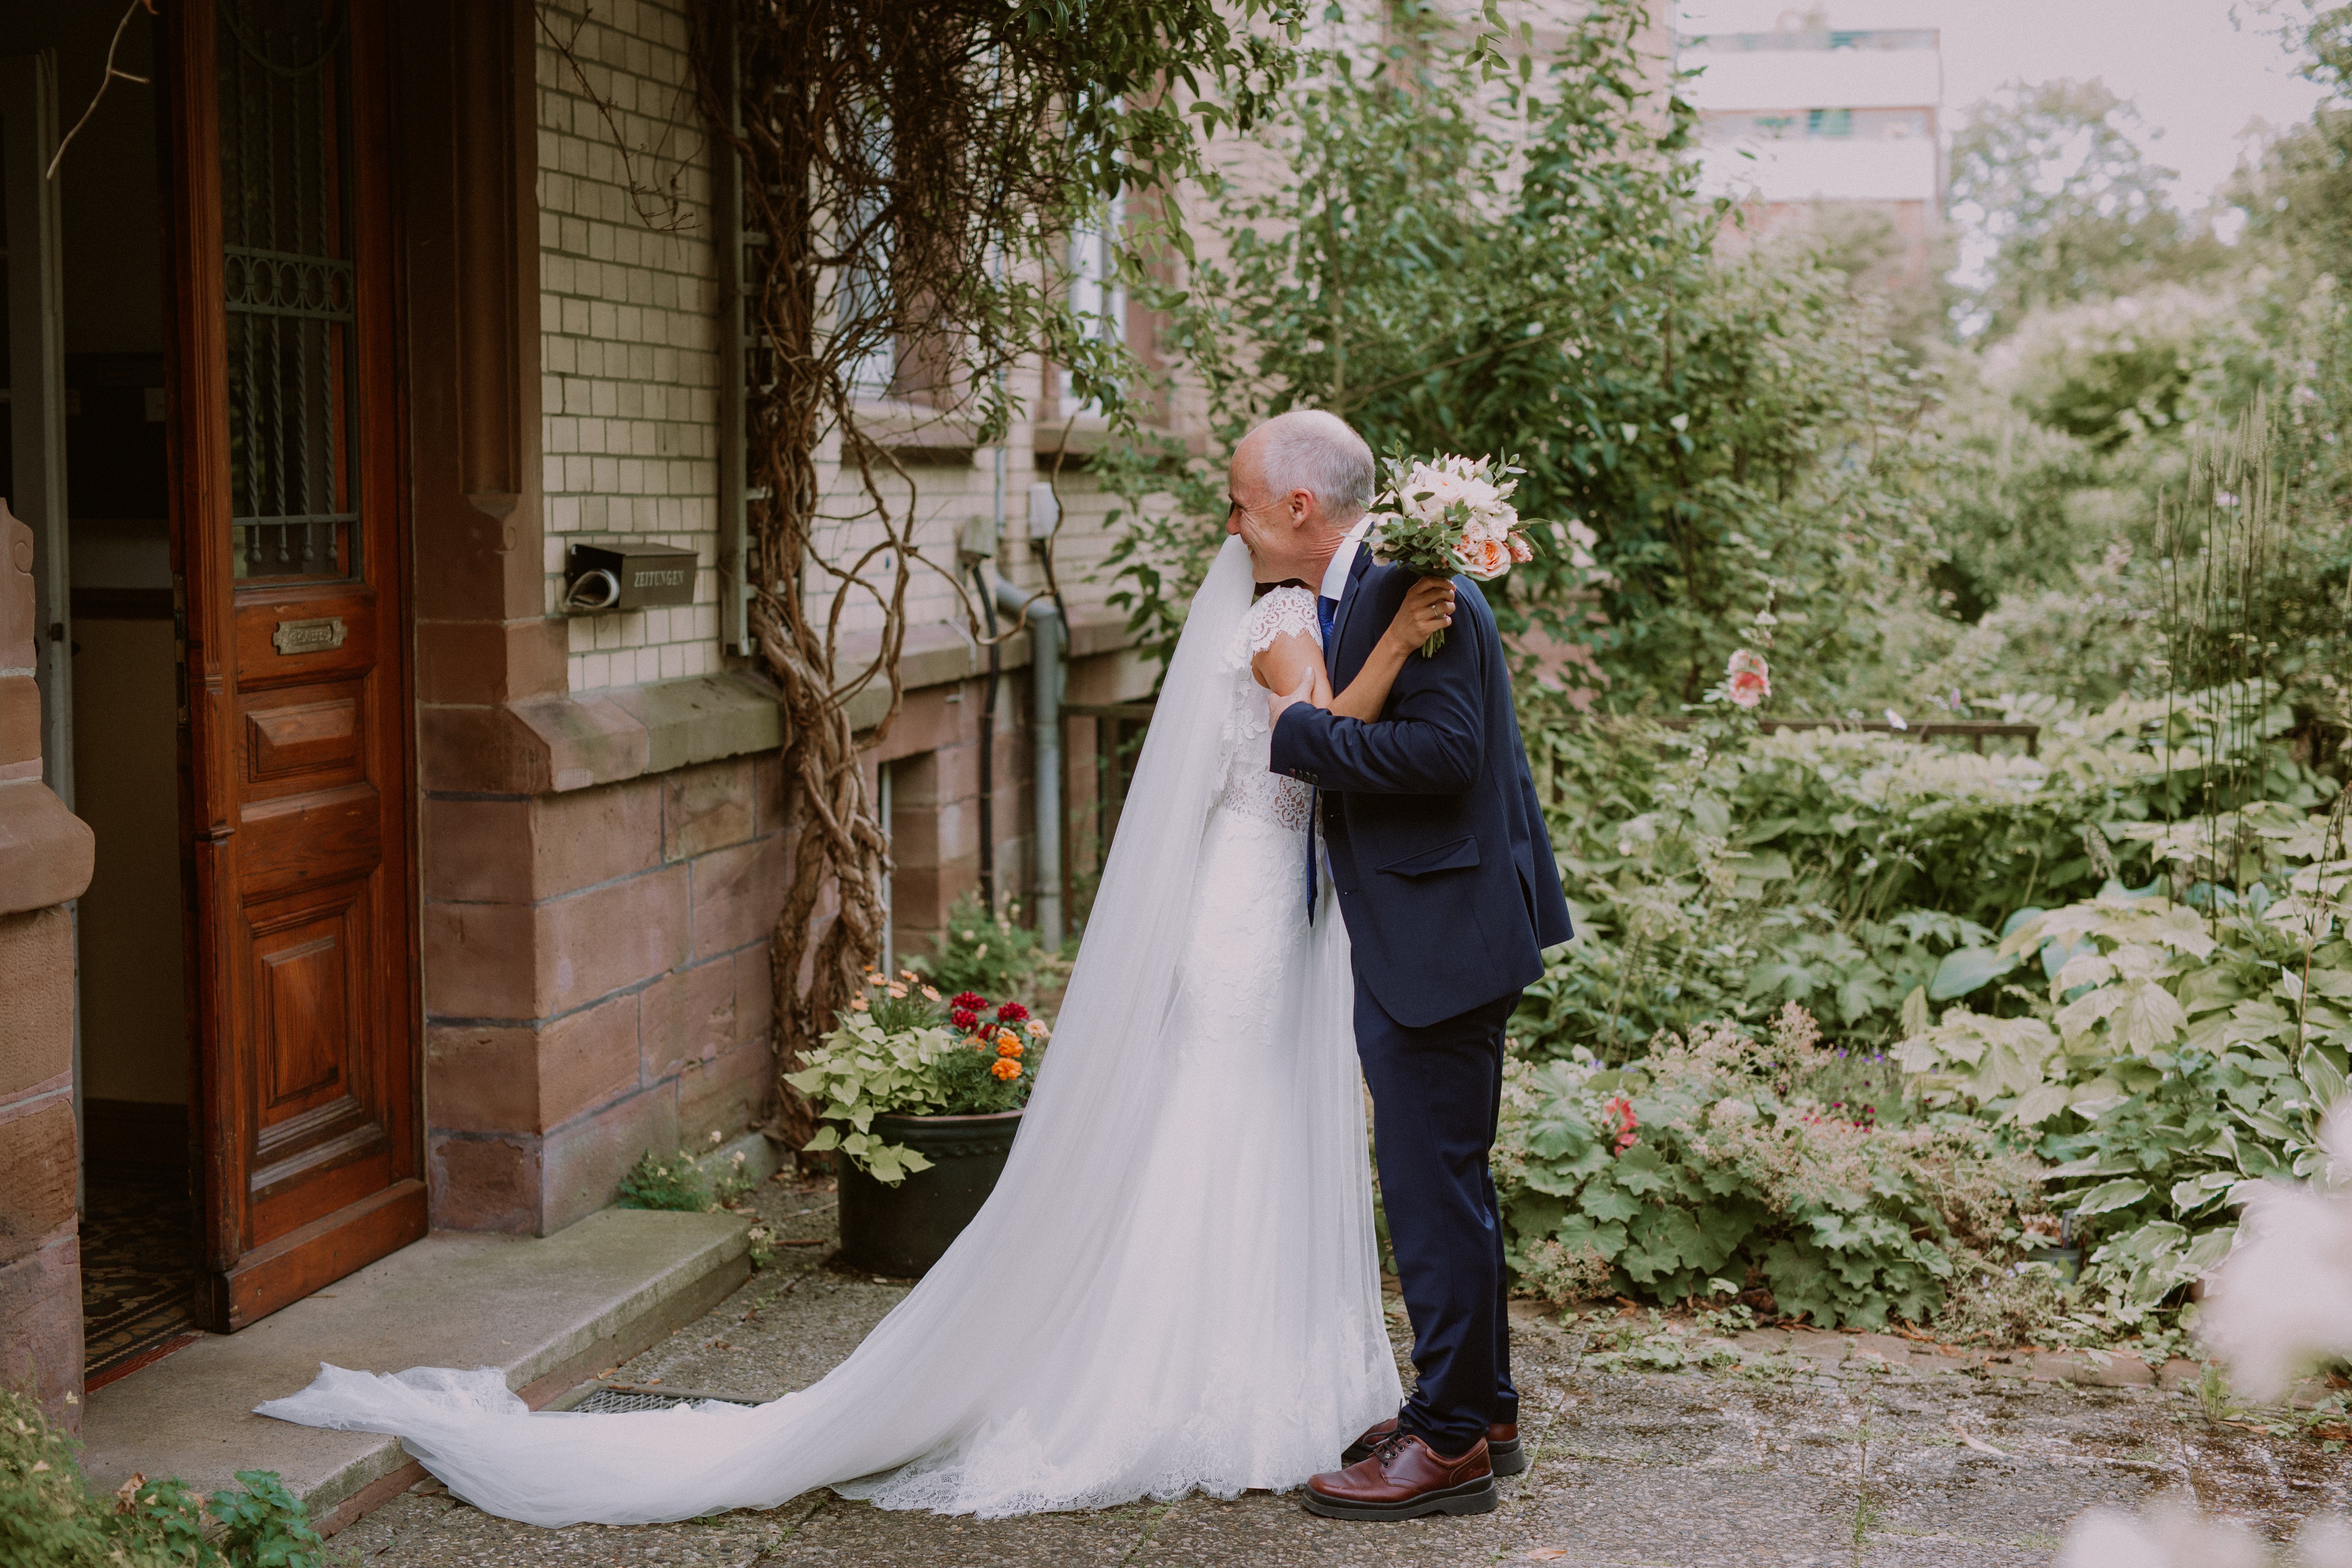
(1046, 651)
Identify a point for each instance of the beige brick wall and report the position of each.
(628, 347)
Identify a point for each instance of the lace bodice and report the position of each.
(1250, 789)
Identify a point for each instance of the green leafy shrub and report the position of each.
(992, 954)
(673, 1183)
(2178, 1051)
(50, 1518)
(1709, 1165)
(1719, 874)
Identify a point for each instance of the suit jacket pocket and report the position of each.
(1460, 855)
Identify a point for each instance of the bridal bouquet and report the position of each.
(1451, 514)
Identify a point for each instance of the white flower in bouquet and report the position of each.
(1453, 515)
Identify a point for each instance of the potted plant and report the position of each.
(920, 1098)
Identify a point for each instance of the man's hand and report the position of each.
(1312, 689)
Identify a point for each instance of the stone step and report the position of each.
(550, 1311)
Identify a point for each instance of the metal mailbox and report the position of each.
(627, 576)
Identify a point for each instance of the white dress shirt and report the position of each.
(1343, 560)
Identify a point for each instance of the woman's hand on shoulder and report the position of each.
(1428, 609)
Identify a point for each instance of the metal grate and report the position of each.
(620, 1401)
(286, 227)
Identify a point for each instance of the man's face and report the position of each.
(1252, 510)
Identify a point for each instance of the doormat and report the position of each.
(138, 1263)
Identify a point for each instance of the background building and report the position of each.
(1807, 115)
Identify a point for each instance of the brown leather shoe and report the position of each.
(1403, 1478)
(1502, 1445)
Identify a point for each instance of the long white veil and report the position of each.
(1038, 1294)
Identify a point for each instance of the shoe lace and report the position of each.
(1387, 1447)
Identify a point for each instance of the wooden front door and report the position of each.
(287, 544)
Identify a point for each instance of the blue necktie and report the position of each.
(1325, 609)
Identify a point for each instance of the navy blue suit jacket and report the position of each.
(1436, 839)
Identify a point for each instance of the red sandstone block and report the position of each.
(20, 719)
(476, 851)
(480, 961)
(596, 942)
(706, 808)
(582, 837)
(484, 1183)
(482, 1077)
(725, 1094)
(38, 1155)
(587, 1059)
(768, 793)
(687, 1014)
(36, 975)
(737, 893)
(755, 997)
(927, 721)
(40, 1326)
(583, 1160)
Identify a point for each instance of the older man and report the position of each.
(1435, 841)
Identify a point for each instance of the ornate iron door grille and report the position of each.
(286, 227)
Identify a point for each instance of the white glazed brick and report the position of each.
(628, 349)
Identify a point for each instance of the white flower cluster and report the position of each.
(1431, 491)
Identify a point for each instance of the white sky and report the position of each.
(2204, 72)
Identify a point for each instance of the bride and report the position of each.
(1175, 1285)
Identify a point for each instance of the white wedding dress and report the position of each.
(1175, 1285)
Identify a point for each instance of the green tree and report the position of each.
(1470, 251)
(2055, 176)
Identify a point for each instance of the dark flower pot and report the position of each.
(901, 1231)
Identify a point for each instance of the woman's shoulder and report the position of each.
(1279, 613)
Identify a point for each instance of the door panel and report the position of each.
(286, 538)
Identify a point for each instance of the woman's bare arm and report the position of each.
(1428, 608)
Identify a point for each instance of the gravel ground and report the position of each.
(1814, 1449)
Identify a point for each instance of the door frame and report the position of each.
(239, 1281)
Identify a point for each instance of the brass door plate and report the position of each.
(309, 636)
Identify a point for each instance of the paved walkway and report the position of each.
(1815, 1449)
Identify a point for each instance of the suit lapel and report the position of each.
(1361, 564)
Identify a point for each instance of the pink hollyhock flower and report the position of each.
(1747, 679)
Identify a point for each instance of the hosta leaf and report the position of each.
(2320, 1074)
(2039, 1104)
(2150, 1019)
(1966, 969)
(2109, 1195)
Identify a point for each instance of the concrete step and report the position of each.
(550, 1311)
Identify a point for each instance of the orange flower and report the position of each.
(1006, 1046)
(1005, 1068)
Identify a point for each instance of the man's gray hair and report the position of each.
(1309, 449)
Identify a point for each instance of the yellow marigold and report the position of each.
(1006, 1069)
(1006, 1046)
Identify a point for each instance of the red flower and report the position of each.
(964, 1017)
(967, 1001)
(1622, 1109)
(1011, 1013)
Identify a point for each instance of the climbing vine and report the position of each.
(911, 171)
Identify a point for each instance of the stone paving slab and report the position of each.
(1815, 1451)
(535, 1307)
